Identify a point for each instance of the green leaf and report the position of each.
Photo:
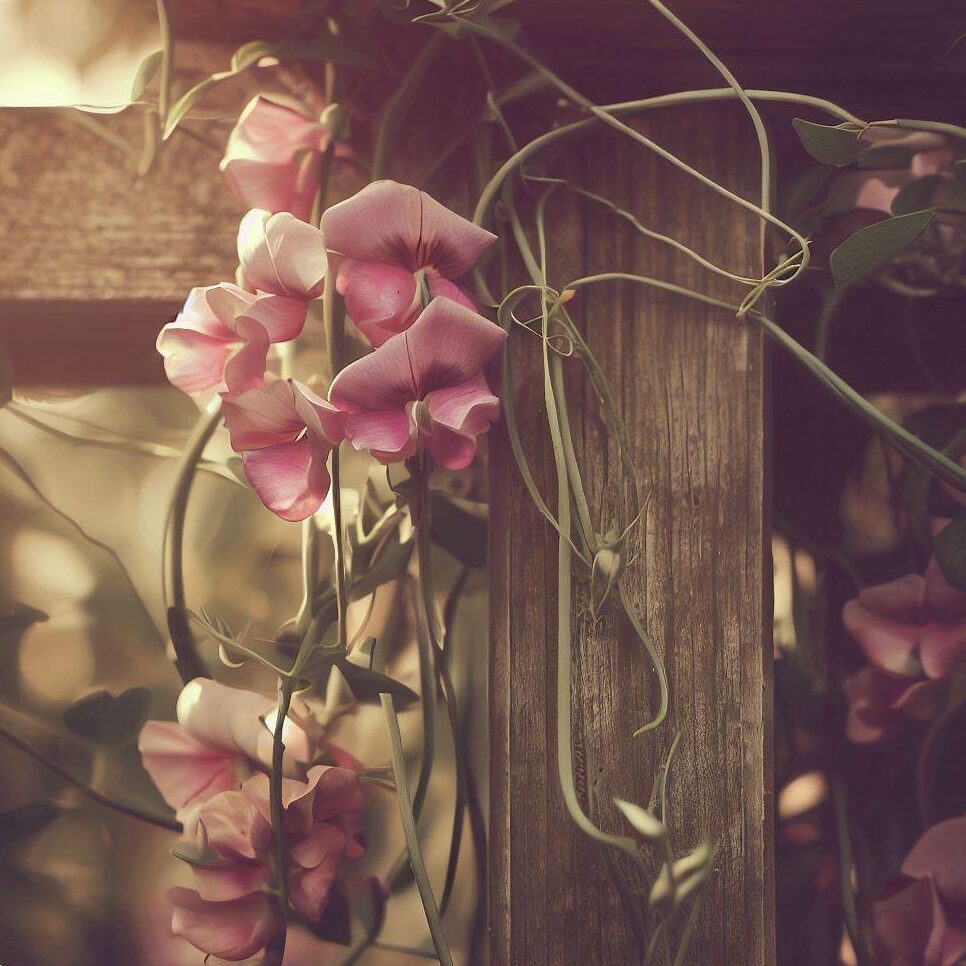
(146, 73)
(24, 821)
(366, 684)
(109, 720)
(204, 857)
(886, 156)
(949, 546)
(642, 821)
(15, 621)
(799, 194)
(689, 874)
(875, 246)
(391, 563)
(917, 195)
(830, 145)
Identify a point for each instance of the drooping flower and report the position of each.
(272, 157)
(220, 339)
(423, 389)
(218, 742)
(285, 432)
(920, 920)
(384, 237)
(280, 255)
(913, 634)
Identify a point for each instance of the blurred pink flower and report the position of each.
(281, 255)
(424, 388)
(913, 634)
(219, 740)
(220, 339)
(386, 234)
(285, 432)
(920, 920)
(272, 157)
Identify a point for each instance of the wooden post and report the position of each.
(690, 383)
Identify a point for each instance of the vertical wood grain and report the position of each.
(690, 383)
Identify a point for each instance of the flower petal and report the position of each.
(380, 299)
(399, 225)
(390, 436)
(230, 930)
(245, 365)
(909, 924)
(193, 361)
(941, 854)
(263, 417)
(382, 380)
(320, 417)
(282, 255)
(227, 821)
(290, 479)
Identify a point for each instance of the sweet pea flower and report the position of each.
(280, 255)
(285, 432)
(913, 634)
(272, 157)
(219, 341)
(222, 736)
(921, 918)
(384, 237)
(423, 389)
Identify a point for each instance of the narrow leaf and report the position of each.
(916, 196)
(366, 684)
(147, 71)
(641, 820)
(830, 145)
(109, 720)
(875, 246)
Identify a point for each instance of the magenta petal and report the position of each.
(909, 924)
(888, 644)
(941, 854)
(335, 790)
(245, 366)
(193, 361)
(449, 344)
(382, 380)
(186, 771)
(399, 225)
(281, 255)
(381, 299)
(899, 600)
(942, 647)
(320, 417)
(263, 417)
(290, 479)
(469, 407)
(390, 436)
(227, 822)
(233, 930)
(452, 449)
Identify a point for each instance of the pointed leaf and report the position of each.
(830, 145)
(146, 73)
(651, 827)
(875, 246)
(367, 684)
(109, 720)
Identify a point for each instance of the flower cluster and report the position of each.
(398, 257)
(212, 768)
(912, 632)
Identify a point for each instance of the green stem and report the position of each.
(95, 796)
(275, 951)
(167, 61)
(187, 660)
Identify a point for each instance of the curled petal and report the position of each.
(227, 822)
(381, 300)
(334, 790)
(321, 418)
(193, 361)
(399, 225)
(281, 255)
(263, 417)
(245, 365)
(291, 479)
(390, 436)
(232, 930)
(941, 855)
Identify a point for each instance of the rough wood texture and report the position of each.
(690, 382)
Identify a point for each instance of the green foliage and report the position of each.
(871, 248)
(146, 73)
(108, 720)
(366, 684)
(830, 145)
(642, 821)
(22, 822)
(949, 547)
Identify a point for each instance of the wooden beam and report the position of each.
(690, 384)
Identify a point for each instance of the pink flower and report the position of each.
(281, 255)
(322, 829)
(220, 739)
(285, 432)
(220, 339)
(384, 236)
(423, 389)
(913, 634)
(272, 158)
(921, 918)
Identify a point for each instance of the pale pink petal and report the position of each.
(272, 158)
(941, 854)
(245, 365)
(449, 344)
(193, 361)
(873, 191)
(887, 644)
(452, 449)
(234, 880)
(343, 759)
(469, 407)
(319, 415)
(900, 600)
(334, 790)
(381, 300)
(185, 771)
(399, 225)
(282, 255)
(230, 930)
(323, 840)
(226, 301)
(226, 822)
(263, 417)
(198, 314)
(382, 380)
(281, 317)
(390, 436)
(291, 479)
(909, 925)
(310, 885)
(297, 801)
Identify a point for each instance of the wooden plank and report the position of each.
(690, 383)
